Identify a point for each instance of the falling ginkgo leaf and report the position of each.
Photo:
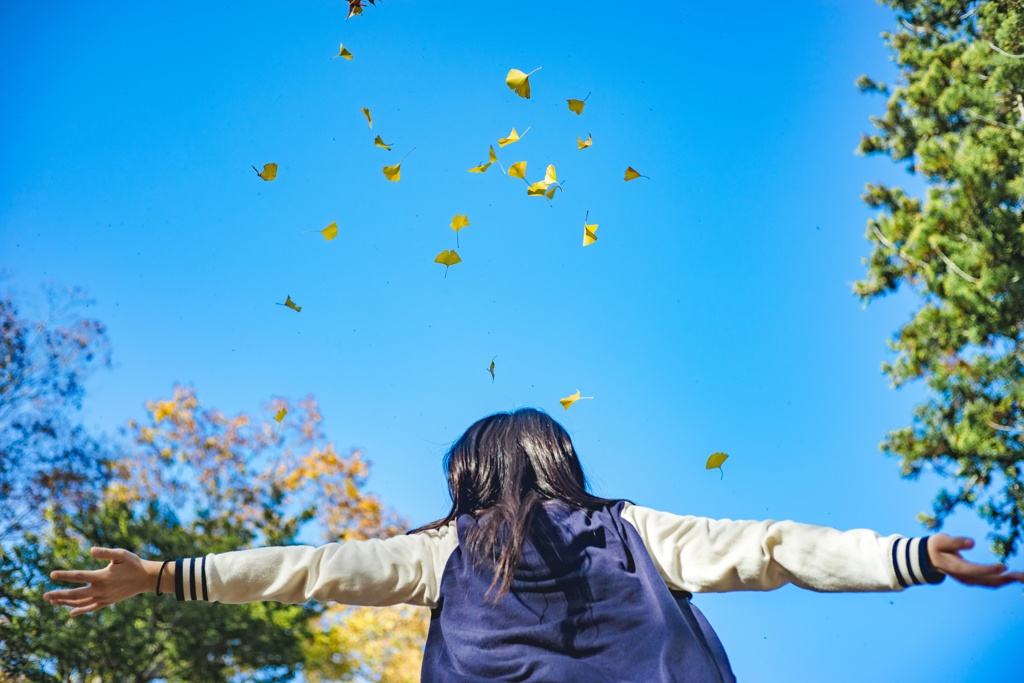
(329, 233)
(491, 158)
(394, 173)
(520, 82)
(633, 174)
(356, 7)
(490, 369)
(459, 222)
(447, 258)
(569, 400)
(380, 143)
(269, 171)
(589, 230)
(291, 304)
(576, 106)
(366, 113)
(583, 144)
(715, 461)
(512, 137)
(343, 52)
(279, 415)
(518, 170)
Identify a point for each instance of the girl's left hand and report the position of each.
(126, 576)
(944, 552)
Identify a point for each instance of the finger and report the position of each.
(951, 544)
(88, 600)
(958, 567)
(70, 594)
(86, 609)
(111, 554)
(75, 576)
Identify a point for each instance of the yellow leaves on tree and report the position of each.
(366, 113)
(269, 171)
(520, 82)
(589, 230)
(512, 137)
(583, 144)
(459, 222)
(380, 143)
(377, 644)
(291, 304)
(569, 400)
(447, 258)
(259, 476)
(343, 53)
(715, 461)
(394, 173)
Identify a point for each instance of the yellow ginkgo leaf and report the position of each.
(269, 171)
(380, 143)
(459, 222)
(279, 415)
(291, 304)
(518, 170)
(329, 233)
(520, 82)
(354, 7)
(343, 52)
(569, 400)
(366, 113)
(716, 460)
(394, 173)
(633, 174)
(550, 194)
(536, 189)
(492, 157)
(583, 144)
(576, 106)
(549, 175)
(490, 369)
(447, 258)
(589, 230)
(512, 137)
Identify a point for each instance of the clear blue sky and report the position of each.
(714, 313)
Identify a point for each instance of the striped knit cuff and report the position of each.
(190, 579)
(911, 562)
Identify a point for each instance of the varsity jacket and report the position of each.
(598, 595)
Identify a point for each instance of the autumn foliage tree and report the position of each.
(185, 481)
(955, 118)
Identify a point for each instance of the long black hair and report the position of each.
(500, 471)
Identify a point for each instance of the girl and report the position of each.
(531, 578)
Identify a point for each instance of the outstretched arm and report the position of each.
(404, 569)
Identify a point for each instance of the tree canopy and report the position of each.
(955, 119)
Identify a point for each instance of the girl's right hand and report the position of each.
(126, 576)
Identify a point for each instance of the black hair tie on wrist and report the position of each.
(159, 577)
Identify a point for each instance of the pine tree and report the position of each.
(956, 119)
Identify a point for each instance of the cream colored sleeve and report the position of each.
(704, 555)
(403, 569)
